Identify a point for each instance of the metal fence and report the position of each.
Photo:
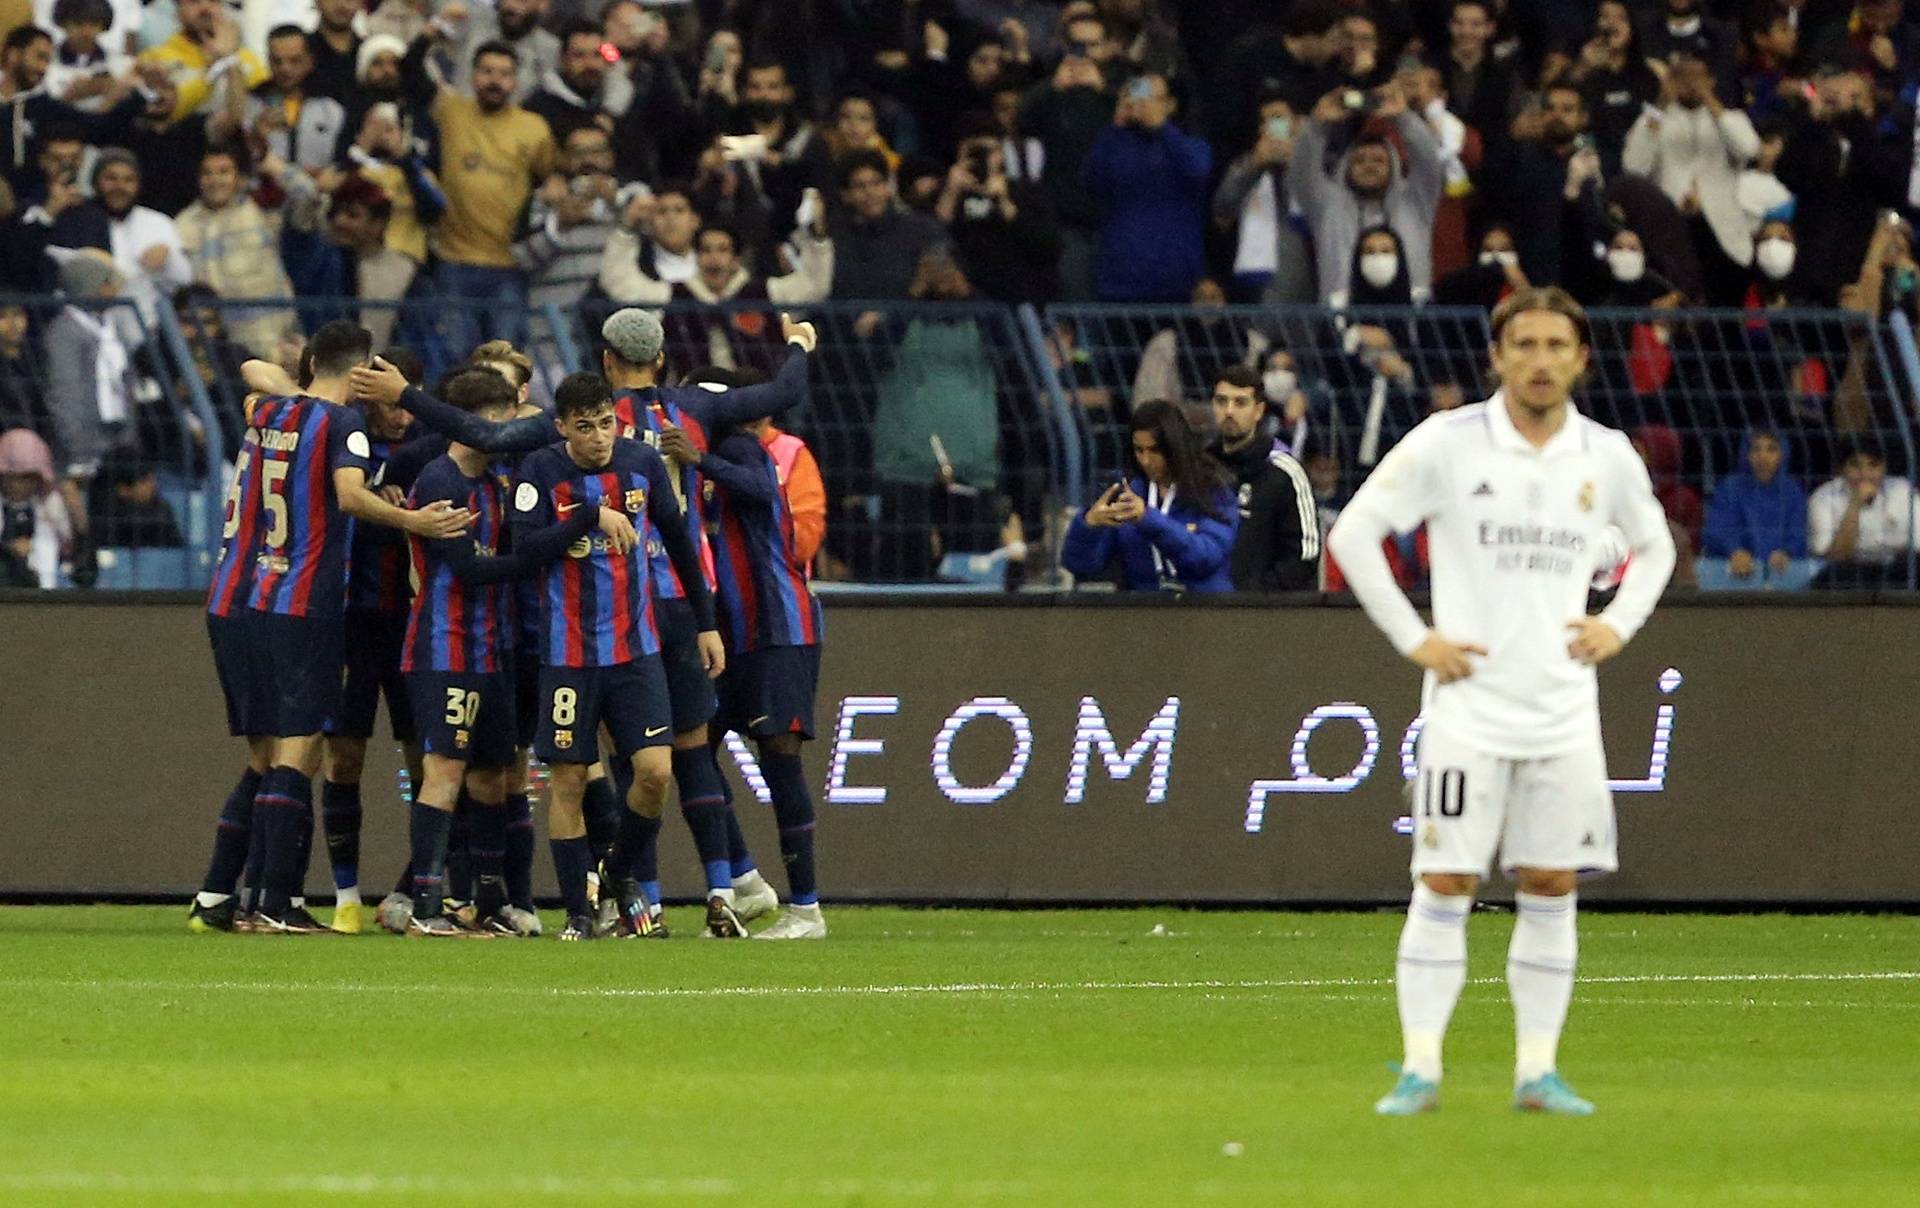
(955, 439)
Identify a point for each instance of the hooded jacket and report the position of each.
(1337, 216)
(1179, 549)
(1754, 516)
(1277, 546)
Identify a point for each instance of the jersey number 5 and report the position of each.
(1447, 790)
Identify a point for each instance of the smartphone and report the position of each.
(751, 147)
(1139, 90)
(1279, 127)
(1356, 100)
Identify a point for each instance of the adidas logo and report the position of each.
(1482, 489)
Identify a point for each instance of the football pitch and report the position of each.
(939, 1057)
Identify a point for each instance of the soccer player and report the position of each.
(602, 659)
(456, 659)
(376, 626)
(771, 623)
(301, 471)
(1518, 494)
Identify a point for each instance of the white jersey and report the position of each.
(1515, 536)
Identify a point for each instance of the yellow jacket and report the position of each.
(187, 63)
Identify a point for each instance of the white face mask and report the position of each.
(1279, 384)
(1380, 268)
(1503, 259)
(1627, 264)
(1775, 258)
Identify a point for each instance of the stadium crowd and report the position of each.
(476, 160)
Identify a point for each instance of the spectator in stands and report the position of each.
(1843, 173)
(662, 226)
(24, 267)
(209, 37)
(725, 194)
(1036, 21)
(1003, 235)
(877, 245)
(1862, 522)
(1494, 274)
(936, 453)
(788, 166)
(85, 69)
(216, 361)
(1168, 527)
(1659, 447)
(145, 243)
(1150, 179)
(38, 529)
(1546, 183)
(856, 131)
(1481, 88)
(296, 124)
(1687, 32)
(1762, 197)
(1359, 61)
(1695, 148)
(1180, 361)
(1773, 284)
(396, 164)
(493, 154)
(1875, 39)
(1321, 460)
(340, 250)
(1277, 545)
(572, 219)
(22, 403)
(1372, 184)
(1775, 71)
(1271, 262)
(1616, 81)
(125, 509)
(585, 91)
(1292, 58)
(234, 246)
(1302, 402)
(514, 25)
(1629, 282)
(1068, 114)
(27, 106)
(1757, 519)
(333, 51)
(90, 393)
(391, 72)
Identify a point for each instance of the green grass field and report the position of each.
(942, 1057)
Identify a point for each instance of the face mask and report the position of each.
(1775, 258)
(1279, 384)
(1502, 259)
(1380, 268)
(1628, 265)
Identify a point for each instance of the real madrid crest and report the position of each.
(1586, 497)
(1430, 838)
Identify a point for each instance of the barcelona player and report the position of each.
(301, 471)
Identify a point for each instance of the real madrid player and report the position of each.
(1517, 494)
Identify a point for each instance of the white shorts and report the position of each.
(1554, 812)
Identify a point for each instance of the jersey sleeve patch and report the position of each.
(526, 497)
(358, 445)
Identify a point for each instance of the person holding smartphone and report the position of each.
(1168, 526)
(1152, 178)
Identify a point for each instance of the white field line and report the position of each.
(496, 1189)
(924, 989)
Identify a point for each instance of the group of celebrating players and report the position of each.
(513, 581)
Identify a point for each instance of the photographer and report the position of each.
(1003, 236)
(1151, 180)
(1843, 172)
(570, 220)
(36, 529)
(1277, 547)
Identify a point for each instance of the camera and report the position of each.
(17, 523)
(1356, 100)
(1138, 90)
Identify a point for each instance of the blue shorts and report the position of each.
(631, 699)
(526, 697)
(465, 715)
(243, 680)
(770, 691)
(374, 641)
(688, 685)
(301, 660)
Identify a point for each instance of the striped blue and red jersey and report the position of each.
(377, 559)
(283, 512)
(641, 415)
(233, 573)
(764, 599)
(597, 605)
(455, 625)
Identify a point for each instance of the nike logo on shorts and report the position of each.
(655, 731)
(754, 721)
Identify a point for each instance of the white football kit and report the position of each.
(1510, 757)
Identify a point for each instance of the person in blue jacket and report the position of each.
(1171, 526)
(1758, 518)
(1151, 181)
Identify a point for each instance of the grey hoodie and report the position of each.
(1337, 217)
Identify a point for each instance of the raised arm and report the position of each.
(740, 476)
(733, 408)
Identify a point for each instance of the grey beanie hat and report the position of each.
(110, 156)
(85, 273)
(635, 335)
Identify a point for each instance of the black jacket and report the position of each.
(1277, 547)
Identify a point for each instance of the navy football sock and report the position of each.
(230, 838)
(287, 802)
(340, 815)
(488, 836)
(705, 806)
(793, 811)
(257, 838)
(601, 810)
(570, 857)
(739, 859)
(428, 831)
(459, 883)
(305, 837)
(519, 851)
(637, 852)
